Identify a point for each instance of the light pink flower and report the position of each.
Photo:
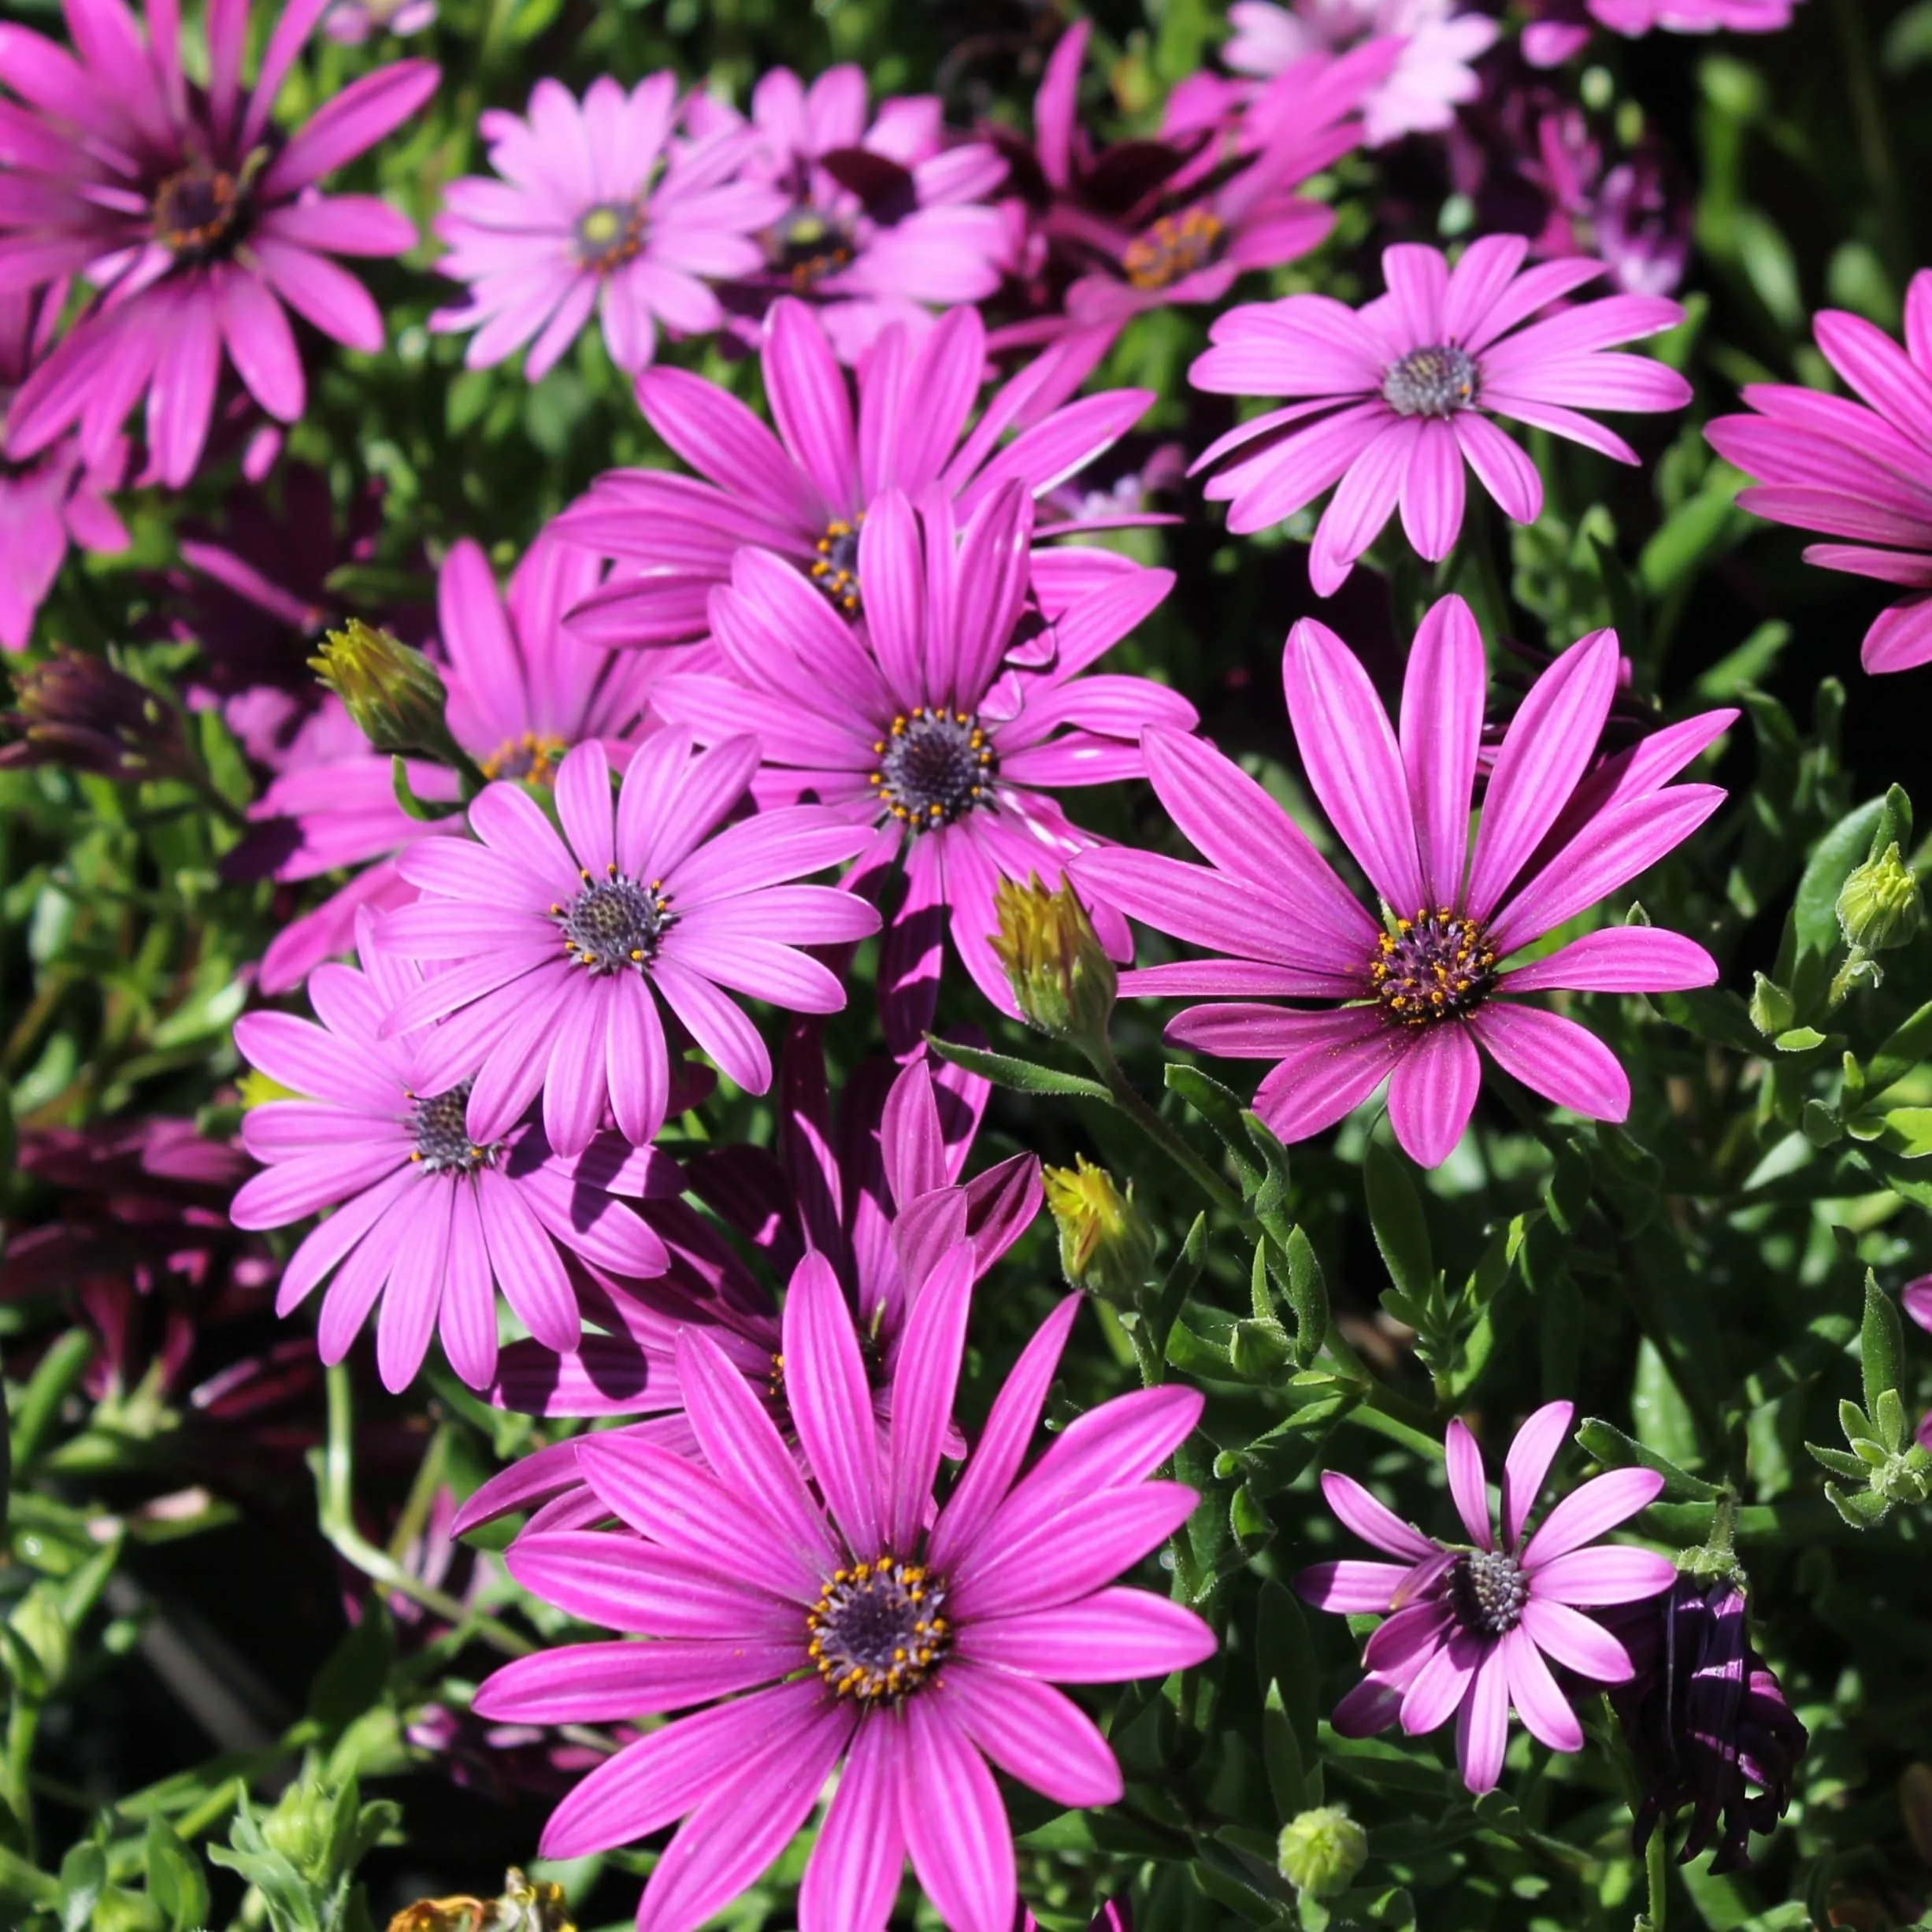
(1560, 29)
(353, 21)
(1852, 471)
(1400, 395)
(1471, 1629)
(595, 209)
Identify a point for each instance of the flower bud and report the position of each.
(1106, 1246)
(1773, 1009)
(1880, 905)
(1061, 977)
(392, 691)
(79, 711)
(1321, 1851)
(302, 1826)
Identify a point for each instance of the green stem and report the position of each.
(1126, 1097)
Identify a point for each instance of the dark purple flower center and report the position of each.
(615, 922)
(609, 235)
(1435, 381)
(935, 766)
(527, 756)
(805, 244)
(1175, 247)
(198, 210)
(835, 569)
(876, 1631)
(1435, 966)
(1487, 1591)
(442, 1142)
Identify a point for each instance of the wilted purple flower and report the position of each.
(428, 1216)
(1707, 1720)
(863, 1632)
(194, 216)
(1425, 984)
(1397, 396)
(56, 499)
(595, 208)
(1854, 470)
(1471, 1629)
(75, 710)
(941, 723)
(841, 443)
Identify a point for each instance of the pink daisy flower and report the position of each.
(193, 215)
(883, 217)
(1401, 394)
(427, 1218)
(559, 947)
(1472, 1629)
(1432, 75)
(595, 208)
(1854, 470)
(1425, 983)
(521, 695)
(56, 499)
(857, 1633)
(804, 493)
(353, 21)
(1562, 28)
(939, 724)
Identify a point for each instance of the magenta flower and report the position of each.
(428, 1217)
(1432, 77)
(558, 949)
(1473, 1628)
(1424, 984)
(1562, 28)
(882, 218)
(1830, 464)
(942, 721)
(58, 499)
(595, 208)
(195, 218)
(804, 493)
(353, 21)
(861, 1633)
(1401, 392)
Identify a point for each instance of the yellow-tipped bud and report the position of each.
(1060, 974)
(1880, 905)
(392, 692)
(1106, 1246)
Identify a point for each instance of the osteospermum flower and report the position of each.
(939, 724)
(1559, 29)
(805, 492)
(1427, 982)
(1431, 78)
(1472, 1628)
(194, 217)
(426, 1216)
(881, 217)
(850, 1627)
(1854, 470)
(593, 210)
(558, 948)
(58, 499)
(1398, 395)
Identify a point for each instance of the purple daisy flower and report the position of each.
(1830, 464)
(940, 722)
(1425, 981)
(596, 209)
(1401, 391)
(804, 493)
(882, 216)
(195, 218)
(558, 949)
(1472, 1628)
(353, 21)
(1559, 29)
(860, 1632)
(429, 1217)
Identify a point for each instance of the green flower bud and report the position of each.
(1060, 974)
(393, 692)
(1321, 1851)
(302, 1826)
(1773, 1011)
(1880, 905)
(1106, 1246)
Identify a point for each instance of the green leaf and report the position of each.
(1900, 1052)
(1280, 1756)
(1284, 1656)
(1615, 1450)
(1223, 1111)
(1175, 1290)
(356, 1673)
(1023, 1076)
(83, 1877)
(1400, 1227)
(1307, 1295)
(1882, 1343)
(175, 1881)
